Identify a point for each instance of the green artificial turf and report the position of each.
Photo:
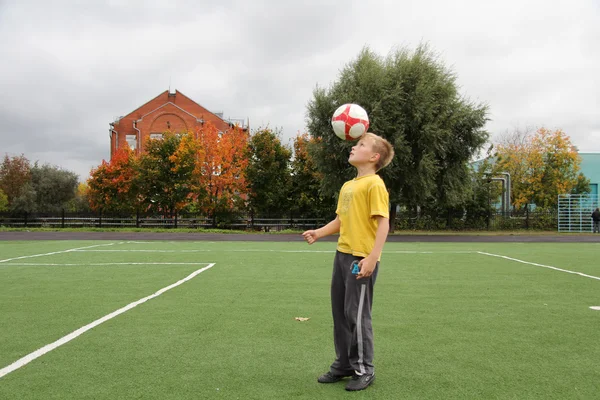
(449, 323)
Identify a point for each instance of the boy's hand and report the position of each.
(367, 266)
(310, 236)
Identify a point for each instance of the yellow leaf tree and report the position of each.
(542, 165)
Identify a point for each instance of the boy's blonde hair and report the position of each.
(383, 148)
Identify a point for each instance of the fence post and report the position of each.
(137, 218)
(62, 218)
(100, 220)
(175, 219)
(527, 216)
(26, 218)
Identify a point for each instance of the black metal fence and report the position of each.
(83, 220)
(495, 221)
(485, 221)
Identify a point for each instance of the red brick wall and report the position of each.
(173, 112)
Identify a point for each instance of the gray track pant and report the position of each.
(351, 301)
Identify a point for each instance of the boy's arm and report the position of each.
(367, 264)
(311, 236)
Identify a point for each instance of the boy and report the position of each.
(363, 222)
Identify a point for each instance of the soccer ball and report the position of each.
(350, 122)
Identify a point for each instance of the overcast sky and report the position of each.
(68, 68)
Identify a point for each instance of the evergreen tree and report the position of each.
(413, 101)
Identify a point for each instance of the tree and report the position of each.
(517, 156)
(542, 165)
(268, 172)
(485, 190)
(81, 201)
(111, 185)
(306, 195)
(413, 101)
(53, 187)
(25, 202)
(15, 172)
(3, 201)
(165, 176)
(582, 186)
(35, 188)
(222, 164)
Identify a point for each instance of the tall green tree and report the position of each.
(268, 173)
(413, 101)
(306, 196)
(166, 179)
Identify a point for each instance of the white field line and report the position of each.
(206, 251)
(105, 264)
(56, 252)
(430, 252)
(268, 251)
(65, 339)
(539, 265)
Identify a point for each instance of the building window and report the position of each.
(131, 141)
(157, 136)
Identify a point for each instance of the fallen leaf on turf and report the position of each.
(301, 319)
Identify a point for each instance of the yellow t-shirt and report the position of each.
(360, 200)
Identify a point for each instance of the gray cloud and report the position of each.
(69, 68)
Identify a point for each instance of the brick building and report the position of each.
(169, 111)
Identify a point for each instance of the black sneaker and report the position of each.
(329, 377)
(360, 382)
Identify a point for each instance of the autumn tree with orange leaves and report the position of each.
(193, 171)
(542, 165)
(111, 186)
(15, 174)
(221, 165)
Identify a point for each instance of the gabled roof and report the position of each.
(164, 105)
(149, 101)
(177, 92)
(167, 93)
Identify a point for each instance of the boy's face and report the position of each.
(362, 153)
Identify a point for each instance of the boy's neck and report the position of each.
(364, 170)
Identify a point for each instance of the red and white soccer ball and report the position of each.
(350, 122)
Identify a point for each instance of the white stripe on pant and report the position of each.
(359, 329)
